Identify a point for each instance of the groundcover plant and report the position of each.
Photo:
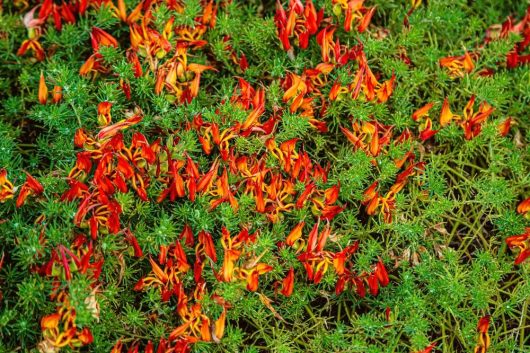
(260, 176)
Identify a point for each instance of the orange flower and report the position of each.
(369, 136)
(252, 275)
(104, 116)
(191, 35)
(339, 259)
(50, 322)
(387, 204)
(384, 90)
(371, 198)
(109, 131)
(472, 121)
(355, 12)
(431, 346)
(196, 325)
(458, 65)
(121, 12)
(85, 337)
(366, 82)
(60, 330)
(178, 77)
(421, 112)
(522, 242)
(504, 126)
(117, 347)
(96, 212)
(426, 131)
(43, 90)
(326, 42)
(446, 116)
(57, 94)
(337, 91)
(365, 20)
(100, 38)
(379, 276)
(150, 43)
(315, 259)
(523, 207)
(166, 279)
(295, 234)
(288, 283)
(232, 252)
(296, 88)
(219, 327)
(223, 193)
(6, 187)
(206, 246)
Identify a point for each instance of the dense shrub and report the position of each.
(251, 176)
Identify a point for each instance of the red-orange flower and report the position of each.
(99, 38)
(504, 126)
(34, 46)
(6, 187)
(428, 349)
(458, 65)
(251, 274)
(370, 137)
(59, 329)
(356, 13)
(179, 78)
(120, 11)
(522, 242)
(109, 131)
(472, 121)
(30, 187)
(297, 23)
(104, 116)
(288, 283)
(446, 116)
(295, 234)
(426, 131)
(483, 336)
(421, 112)
(57, 94)
(523, 207)
(233, 247)
(223, 193)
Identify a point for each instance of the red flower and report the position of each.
(428, 349)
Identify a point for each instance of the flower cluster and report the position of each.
(471, 122)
